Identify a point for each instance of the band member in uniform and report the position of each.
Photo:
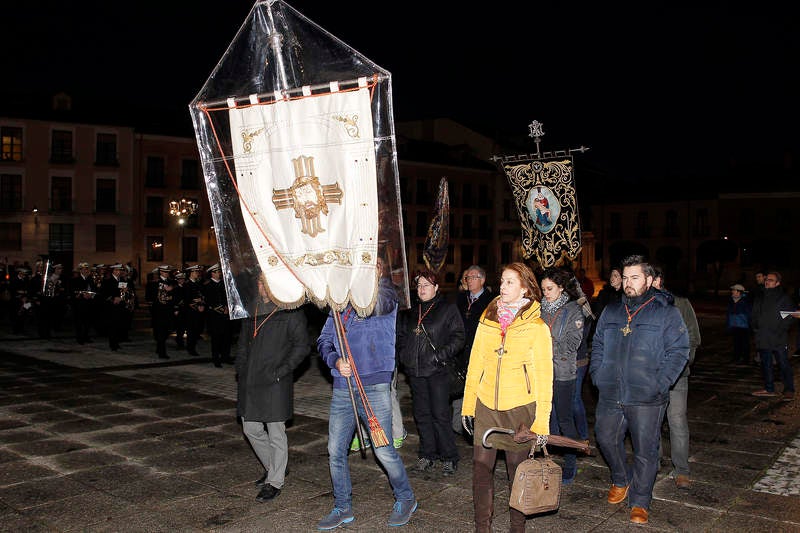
(127, 292)
(21, 308)
(196, 308)
(83, 292)
(181, 309)
(163, 310)
(112, 293)
(218, 320)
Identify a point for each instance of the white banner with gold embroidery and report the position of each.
(305, 172)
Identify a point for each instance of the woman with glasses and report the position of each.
(429, 337)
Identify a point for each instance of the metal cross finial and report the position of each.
(537, 133)
(536, 130)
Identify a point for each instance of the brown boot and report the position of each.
(483, 488)
(516, 518)
(517, 521)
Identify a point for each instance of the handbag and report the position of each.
(537, 484)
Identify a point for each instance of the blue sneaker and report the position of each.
(401, 512)
(336, 518)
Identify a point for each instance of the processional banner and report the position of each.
(544, 194)
(306, 176)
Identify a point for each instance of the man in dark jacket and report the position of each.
(371, 341)
(218, 320)
(272, 344)
(639, 349)
(83, 291)
(471, 303)
(772, 335)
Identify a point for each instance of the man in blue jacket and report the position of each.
(372, 346)
(639, 349)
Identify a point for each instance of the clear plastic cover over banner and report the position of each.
(296, 136)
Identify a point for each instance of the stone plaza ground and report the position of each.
(93, 440)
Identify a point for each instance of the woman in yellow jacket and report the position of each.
(509, 382)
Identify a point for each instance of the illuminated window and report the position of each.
(11, 138)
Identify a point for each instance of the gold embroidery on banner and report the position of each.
(324, 258)
(350, 125)
(247, 139)
(563, 240)
(272, 260)
(366, 257)
(307, 196)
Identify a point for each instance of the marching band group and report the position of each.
(103, 299)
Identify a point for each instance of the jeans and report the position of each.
(431, 399)
(782, 357)
(397, 415)
(342, 424)
(578, 409)
(271, 446)
(562, 421)
(679, 426)
(614, 420)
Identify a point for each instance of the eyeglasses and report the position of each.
(771, 280)
(467, 278)
(423, 285)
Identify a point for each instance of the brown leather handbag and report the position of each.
(537, 484)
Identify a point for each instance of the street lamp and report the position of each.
(182, 209)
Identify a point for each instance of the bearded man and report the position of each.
(639, 350)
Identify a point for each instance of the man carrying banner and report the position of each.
(371, 341)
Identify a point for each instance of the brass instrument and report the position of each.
(126, 296)
(164, 295)
(197, 303)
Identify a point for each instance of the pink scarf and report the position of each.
(507, 312)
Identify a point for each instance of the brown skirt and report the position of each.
(486, 418)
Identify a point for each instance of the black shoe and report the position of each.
(267, 493)
(262, 480)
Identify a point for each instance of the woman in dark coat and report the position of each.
(272, 343)
(430, 336)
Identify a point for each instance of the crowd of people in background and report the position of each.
(474, 359)
(101, 301)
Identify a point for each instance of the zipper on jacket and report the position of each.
(527, 378)
(500, 351)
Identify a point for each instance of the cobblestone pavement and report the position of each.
(92, 440)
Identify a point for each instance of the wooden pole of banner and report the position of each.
(339, 327)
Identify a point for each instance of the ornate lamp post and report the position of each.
(182, 209)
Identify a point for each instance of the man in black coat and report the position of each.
(163, 309)
(193, 297)
(218, 320)
(19, 286)
(471, 303)
(83, 292)
(115, 313)
(272, 344)
(772, 335)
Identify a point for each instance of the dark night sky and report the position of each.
(647, 88)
